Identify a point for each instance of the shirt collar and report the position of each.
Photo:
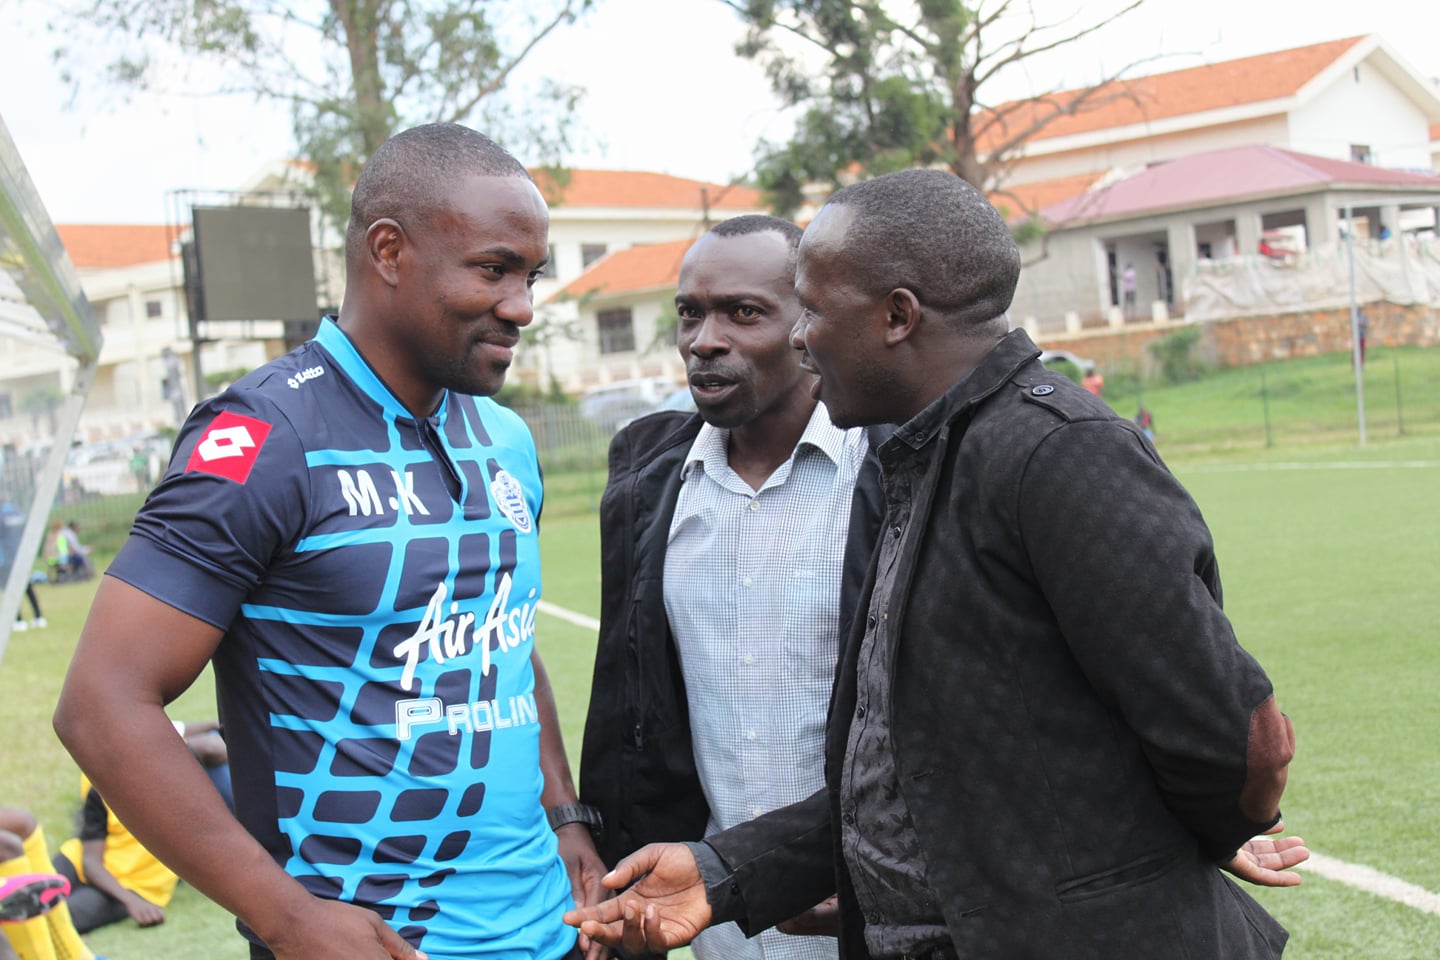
(711, 444)
(338, 344)
(1011, 353)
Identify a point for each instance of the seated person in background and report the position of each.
(112, 876)
(44, 931)
(72, 557)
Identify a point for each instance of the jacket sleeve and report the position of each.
(780, 864)
(1126, 561)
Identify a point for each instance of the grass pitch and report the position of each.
(1328, 554)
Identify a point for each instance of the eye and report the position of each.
(747, 312)
(534, 275)
(687, 312)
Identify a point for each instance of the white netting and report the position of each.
(1398, 271)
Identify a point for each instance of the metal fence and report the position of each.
(1282, 405)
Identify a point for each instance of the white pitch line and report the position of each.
(1351, 874)
(579, 619)
(1373, 881)
(1332, 465)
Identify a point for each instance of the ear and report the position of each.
(902, 316)
(383, 243)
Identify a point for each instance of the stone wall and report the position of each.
(1241, 341)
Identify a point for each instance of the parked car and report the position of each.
(1049, 357)
(680, 399)
(611, 404)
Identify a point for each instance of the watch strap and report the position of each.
(567, 813)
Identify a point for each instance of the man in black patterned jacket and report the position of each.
(1044, 740)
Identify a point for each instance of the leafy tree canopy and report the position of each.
(353, 71)
(904, 84)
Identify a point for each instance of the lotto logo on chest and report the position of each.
(229, 447)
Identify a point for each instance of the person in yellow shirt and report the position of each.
(45, 932)
(112, 876)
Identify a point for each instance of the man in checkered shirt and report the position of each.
(727, 541)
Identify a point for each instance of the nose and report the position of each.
(517, 304)
(797, 333)
(708, 340)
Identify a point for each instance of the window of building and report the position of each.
(617, 330)
(590, 252)
(153, 309)
(1360, 152)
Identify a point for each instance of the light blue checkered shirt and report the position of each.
(752, 590)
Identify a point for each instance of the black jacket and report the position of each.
(1070, 708)
(637, 765)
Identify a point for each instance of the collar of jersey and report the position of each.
(354, 366)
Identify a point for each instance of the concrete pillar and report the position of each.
(1180, 238)
(142, 353)
(1322, 223)
(1072, 321)
(1247, 234)
(1159, 312)
(1116, 317)
(1390, 220)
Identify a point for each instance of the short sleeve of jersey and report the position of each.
(234, 497)
(94, 818)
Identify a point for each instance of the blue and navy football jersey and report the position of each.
(377, 580)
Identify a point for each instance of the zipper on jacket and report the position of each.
(637, 733)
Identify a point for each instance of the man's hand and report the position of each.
(1264, 862)
(663, 908)
(327, 930)
(142, 911)
(821, 920)
(586, 869)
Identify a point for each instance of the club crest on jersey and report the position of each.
(229, 446)
(510, 498)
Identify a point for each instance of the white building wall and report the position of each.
(1069, 279)
(1363, 107)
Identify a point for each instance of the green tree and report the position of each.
(352, 71)
(903, 85)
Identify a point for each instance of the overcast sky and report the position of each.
(666, 92)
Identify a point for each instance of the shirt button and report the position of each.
(873, 918)
(860, 711)
(757, 811)
(749, 659)
(747, 581)
(849, 818)
(1043, 390)
(750, 734)
(754, 504)
(870, 620)
(895, 530)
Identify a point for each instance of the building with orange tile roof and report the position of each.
(624, 310)
(110, 245)
(131, 275)
(596, 218)
(1349, 99)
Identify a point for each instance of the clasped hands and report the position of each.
(663, 905)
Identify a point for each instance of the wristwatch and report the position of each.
(576, 813)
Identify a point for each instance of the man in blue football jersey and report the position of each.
(349, 535)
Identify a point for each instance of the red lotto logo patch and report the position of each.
(229, 446)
